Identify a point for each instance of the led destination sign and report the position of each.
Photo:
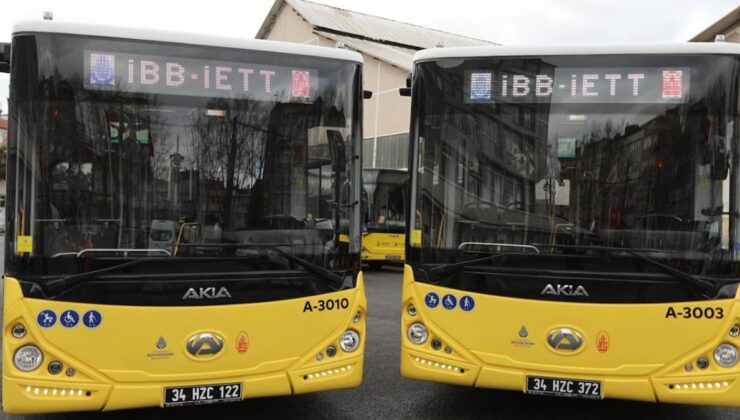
(571, 85)
(195, 77)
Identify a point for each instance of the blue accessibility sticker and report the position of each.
(431, 299)
(467, 303)
(92, 319)
(449, 302)
(46, 318)
(69, 318)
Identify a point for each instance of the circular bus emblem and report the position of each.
(205, 344)
(565, 339)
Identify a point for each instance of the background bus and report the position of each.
(383, 238)
(579, 232)
(168, 242)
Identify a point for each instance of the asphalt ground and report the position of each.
(385, 395)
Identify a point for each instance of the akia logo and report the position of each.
(206, 293)
(564, 290)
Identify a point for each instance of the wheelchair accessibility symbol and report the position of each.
(449, 302)
(69, 318)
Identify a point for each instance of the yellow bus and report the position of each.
(579, 232)
(175, 205)
(386, 197)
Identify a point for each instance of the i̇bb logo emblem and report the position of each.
(242, 342)
(602, 342)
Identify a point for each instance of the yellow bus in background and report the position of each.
(175, 205)
(579, 232)
(384, 229)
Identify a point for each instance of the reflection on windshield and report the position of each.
(120, 170)
(554, 174)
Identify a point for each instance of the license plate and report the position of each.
(393, 257)
(559, 387)
(202, 394)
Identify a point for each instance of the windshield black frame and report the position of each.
(47, 89)
(438, 100)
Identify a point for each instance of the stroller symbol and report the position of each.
(46, 318)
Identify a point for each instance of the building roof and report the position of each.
(727, 48)
(50, 26)
(386, 39)
(719, 27)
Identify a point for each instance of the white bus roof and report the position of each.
(54, 27)
(604, 49)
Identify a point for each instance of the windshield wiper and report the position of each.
(452, 268)
(705, 286)
(708, 287)
(57, 285)
(334, 278)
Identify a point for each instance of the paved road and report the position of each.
(385, 395)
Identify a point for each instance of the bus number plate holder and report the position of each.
(559, 387)
(177, 396)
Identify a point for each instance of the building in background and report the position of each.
(387, 47)
(3, 154)
(728, 25)
(4, 129)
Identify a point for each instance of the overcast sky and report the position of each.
(505, 22)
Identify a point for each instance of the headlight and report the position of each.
(726, 355)
(417, 333)
(350, 341)
(28, 358)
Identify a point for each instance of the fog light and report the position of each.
(357, 318)
(70, 372)
(350, 341)
(688, 367)
(436, 344)
(55, 367)
(331, 351)
(19, 331)
(319, 357)
(417, 333)
(726, 355)
(411, 310)
(702, 363)
(28, 358)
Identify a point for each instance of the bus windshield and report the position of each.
(614, 164)
(127, 149)
(386, 200)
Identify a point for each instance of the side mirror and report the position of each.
(406, 91)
